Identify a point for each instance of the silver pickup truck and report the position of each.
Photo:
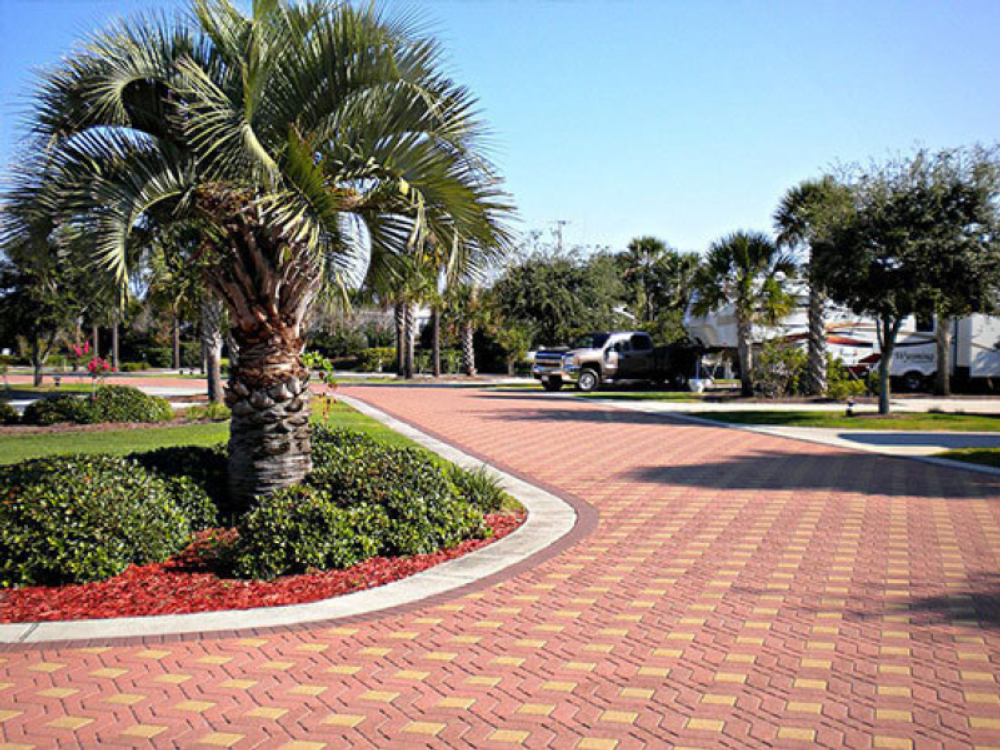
(598, 358)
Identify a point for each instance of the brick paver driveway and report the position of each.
(738, 591)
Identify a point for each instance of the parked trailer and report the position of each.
(975, 342)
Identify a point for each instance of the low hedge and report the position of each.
(363, 498)
(74, 519)
(111, 403)
(378, 359)
(205, 468)
(8, 414)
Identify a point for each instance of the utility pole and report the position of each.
(560, 223)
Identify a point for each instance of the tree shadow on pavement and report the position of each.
(861, 473)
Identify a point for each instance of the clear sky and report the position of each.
(685, 120)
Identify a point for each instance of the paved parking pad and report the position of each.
(738, 590)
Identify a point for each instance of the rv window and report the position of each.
(925, 324)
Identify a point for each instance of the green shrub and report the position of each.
(363, 498)
(191, 354)
(111, 403)
(123, 403)
(840, 383)
(300, 529)
(206, 468)
(779, 370)
(83, 518)
(61, 407)
(159, 356)
(478, 486)
(210, 412)
(8, 414)
(377, 359)
(134, 366)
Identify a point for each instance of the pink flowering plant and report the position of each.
(80, 354)
(99, 369)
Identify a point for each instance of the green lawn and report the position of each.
(19, 390)
(911, 422)
(985, 456)
(15, 448)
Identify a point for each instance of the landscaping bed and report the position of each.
(187, 583)
(124, 533)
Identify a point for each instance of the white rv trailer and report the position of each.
(854, 340)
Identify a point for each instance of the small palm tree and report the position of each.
(640, 261)
(801, 216)
(281, 134)
(748, 271)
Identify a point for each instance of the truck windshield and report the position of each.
(590, 341)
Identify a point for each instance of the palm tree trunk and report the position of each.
(211, 343)
(468, 349)
(399, 312)
(410, 337)
(744, 347)
(95, 332)
(942, 385)
(436, 342)
(176, 334)
(816, 374)
(114, 341)
(267, 284)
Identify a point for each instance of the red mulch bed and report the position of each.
(186, 583)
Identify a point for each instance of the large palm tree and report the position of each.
(640, 260)
(299, 136)
(748, 271)
(801, 215)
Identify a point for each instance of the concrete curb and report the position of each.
(774, 431)
(550, 518)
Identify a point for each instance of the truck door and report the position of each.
(636, 357)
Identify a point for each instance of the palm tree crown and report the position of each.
(295, 139)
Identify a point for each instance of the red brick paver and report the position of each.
(739, 590)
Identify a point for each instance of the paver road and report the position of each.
(738, 590)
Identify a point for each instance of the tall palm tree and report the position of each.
(640, 260)
(800, 217)
(283, 131)
(748, 271)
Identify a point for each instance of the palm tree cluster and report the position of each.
(298, 142)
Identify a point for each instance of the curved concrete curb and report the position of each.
(549, 519)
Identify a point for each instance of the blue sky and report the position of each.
(685, 120)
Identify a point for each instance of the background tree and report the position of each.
(799, 219)
(749, 272)
(877, 257)
(639, 262)
(962, 191)
(273, 129)
(561, 295)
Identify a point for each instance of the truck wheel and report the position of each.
(912, 381)
(588, 382)
(552, 384)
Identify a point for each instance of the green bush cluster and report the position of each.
(8, 414)
(209, 412)
(82, 518)
(377, 359)
(840, 383)
(363, 498)
(110, 403)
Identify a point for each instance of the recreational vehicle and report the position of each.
(975, 341)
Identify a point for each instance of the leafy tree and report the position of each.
(560, 295)
(962, 191)
(749, 272)
(39, 304)
(281, 131)
(799, 219)
(880, 256)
